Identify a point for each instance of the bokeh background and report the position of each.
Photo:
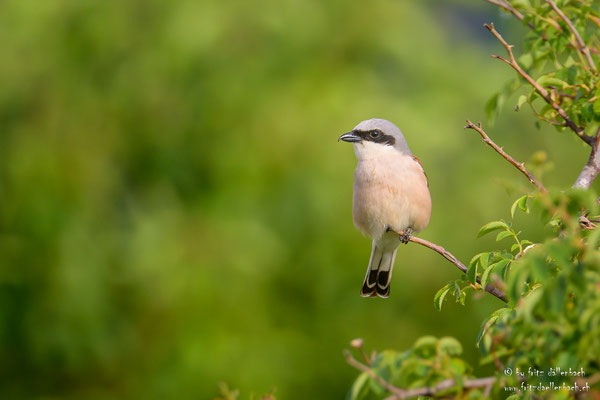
(175, 210)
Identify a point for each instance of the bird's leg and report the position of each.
(405, 237)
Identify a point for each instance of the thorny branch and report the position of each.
(401, 394)
(450, 257)
(518, 165)
(581, 44)
(506, 6)
(584, 180)
(579, 131)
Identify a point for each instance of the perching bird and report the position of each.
(391, 194)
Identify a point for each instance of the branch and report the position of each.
(400, 394)
(506, 6)
(518, 165)
(595, 20)
(579, 131)
(592, 167)
(582, 47)
(450, 257)
(587, 223)
(447, 384)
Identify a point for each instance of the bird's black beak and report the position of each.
(350, 137)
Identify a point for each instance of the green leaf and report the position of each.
(484, 260)
(463, 295)
(504, 235)
(486, 324)
(539, 270)
(587, 110)
(501, 268)
(570, 62)
(472, 273)
(522, 100)
(526, 60)
(376, 387)
(558, 295)
(546, 80)
(450, 346)
(457, 291)
(492, 226)
(457, 368)
(486, 275)
(516, 281)
(440, 295)
(472, 270)
(596, 106)
(481, 259)
(521, 3)
(521, 202)
(426, 346)
(529, 302)
(498, 268)
(357, 387)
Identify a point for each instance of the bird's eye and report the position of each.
(375, 133)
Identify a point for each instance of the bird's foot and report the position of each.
(405, 237)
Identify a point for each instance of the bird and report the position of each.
(390, 195)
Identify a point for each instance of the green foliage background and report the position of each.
(176, 212)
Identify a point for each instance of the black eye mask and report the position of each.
(376, 136)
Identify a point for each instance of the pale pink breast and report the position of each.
(390, 192)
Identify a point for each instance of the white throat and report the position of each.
(366, 150)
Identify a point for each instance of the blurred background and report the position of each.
(176, 211)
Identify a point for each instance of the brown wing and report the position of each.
(423, 169)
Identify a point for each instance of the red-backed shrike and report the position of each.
(391, 194)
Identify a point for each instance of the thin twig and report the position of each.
(400, 394)
(587, 223)
(579, 131)
(518, 165)
(358, 344)
(582, 47)
(450, 257)
(595, 20)
(506, 6)
(361, 367)
(592, 167)
(487, 391)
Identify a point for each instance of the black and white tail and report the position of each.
(379, 274)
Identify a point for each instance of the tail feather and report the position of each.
(379, 274)
(384, 276)
(369, 287)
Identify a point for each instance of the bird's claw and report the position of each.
(405, 237)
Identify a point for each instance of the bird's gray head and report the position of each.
(370, 135)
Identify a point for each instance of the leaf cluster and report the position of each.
(428, 362)
(552, 319)
(553, 316)
(552, 56)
